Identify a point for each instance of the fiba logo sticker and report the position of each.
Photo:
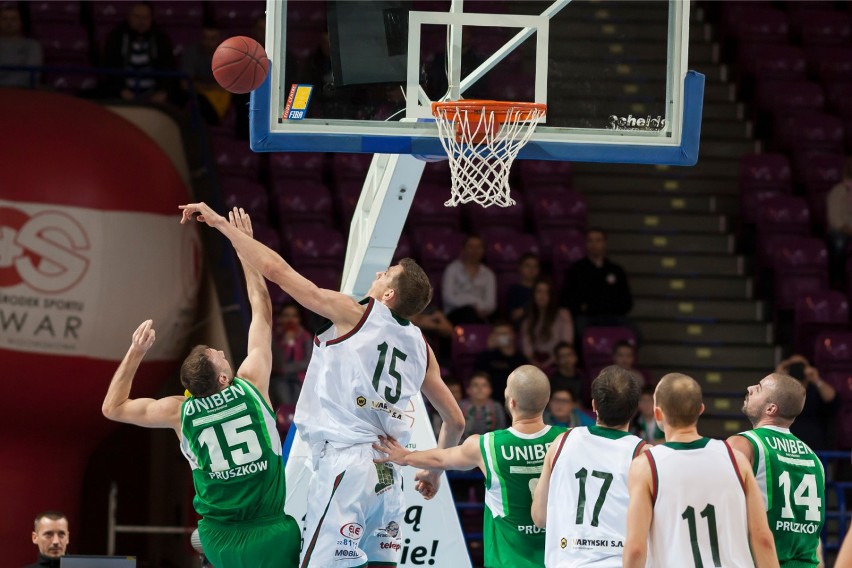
(44, 251)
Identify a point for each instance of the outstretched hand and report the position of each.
(205, 214)
(394, 451)
(239, 219)
(427, 483)
(143, 337)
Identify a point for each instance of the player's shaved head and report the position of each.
(787, 393)
(679, 397)
(530, 388)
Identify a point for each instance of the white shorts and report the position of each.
(355, 510)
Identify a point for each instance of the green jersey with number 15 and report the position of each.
(513, 463)
(792, 481)
(233, 447)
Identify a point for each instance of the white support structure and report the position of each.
(379, 217)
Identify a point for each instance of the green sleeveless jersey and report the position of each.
(230, 441)
(513, 464)
(792, 481)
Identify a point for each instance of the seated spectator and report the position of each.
(566, 373)
(482, 413)
(519, 296)
(839, 208)
(197, 63)
(17, 50)
(814, 425)
(291, 352)
(595, 289)
(50, 535)
(501, 358)
(138, 45)
(563, 410)
(624, 355)
(437, 330)
(645, 424)
(458, 393)
(545, 326)
(469, 287)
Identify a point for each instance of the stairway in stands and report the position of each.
(672, 229)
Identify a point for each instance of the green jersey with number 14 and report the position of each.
(233, 447)
(792, 481)
(513, 463)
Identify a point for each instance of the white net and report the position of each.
(481, 144)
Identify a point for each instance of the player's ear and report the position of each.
(771, 409)
(658, 414)
(389, 296)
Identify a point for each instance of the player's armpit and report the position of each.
(640, 511)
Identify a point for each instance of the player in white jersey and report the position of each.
(366, 365)
(581, 497)
(693, 501)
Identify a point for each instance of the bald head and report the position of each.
(679, 397)
(530, 388)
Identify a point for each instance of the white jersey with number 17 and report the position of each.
(360, 385)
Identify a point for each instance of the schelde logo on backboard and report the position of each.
(45, 251)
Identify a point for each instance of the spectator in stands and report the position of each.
(50, 535)
(291, 354)
(519, 296)
(545, 326)
(138, 45)
(595, 289)
(469, 287)
(482, 413)
(624, 355)
(197, 63)
(501, 358)
(564, 411)
(839, 208)
(566, 373)
(814, 425)
(15, 49)
(645, 424)
(437, 330)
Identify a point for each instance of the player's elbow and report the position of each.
(109, 411)
(455, 421)
(633, 555)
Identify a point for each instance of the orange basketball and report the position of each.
(240, 64)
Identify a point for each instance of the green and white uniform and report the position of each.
(233, 447)
(587, 500)
(513, 463)
(792, 481)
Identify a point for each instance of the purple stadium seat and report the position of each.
(109, 13)
(566, 247)
(63, 43)
(183, 13)
(789, 288)
(266, 235)
(307, 15)
(778, 62)
(438, 247)
(831, 64)
(599, 342)
(751, 203)
(785, 97)
(839, 96)
(551, 173)
(554, 208)
(277, 296)
(784, 215)
(761, 25)
(328, 278)
(314, 246)
(504, 249)
(428, 208)
(346, 195)
(67, 11)
(765, 172)
(483, 219)
(817, 27)
(820, 172)
(833, 352)
(302, 43)
(238, 16)
(505, 280)
(469, 341)
(818, 133)
(349, 166)
(182, 37)
(816, 313)
(248, 194)
(303, 201)
(800, 266)
(234, 157)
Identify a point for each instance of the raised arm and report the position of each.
(257, 366)
(442, 400)
(640, 510)
(147, 412)
(342, 310)
(759, 533)
(542, 488)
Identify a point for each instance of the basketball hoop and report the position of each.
(482, 139)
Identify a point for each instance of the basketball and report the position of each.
(240, 64)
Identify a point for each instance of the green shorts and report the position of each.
(266, 543)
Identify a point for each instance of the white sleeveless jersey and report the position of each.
(699, 507)
(360, 385)
(587, 501)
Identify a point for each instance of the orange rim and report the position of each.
(473, 109)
